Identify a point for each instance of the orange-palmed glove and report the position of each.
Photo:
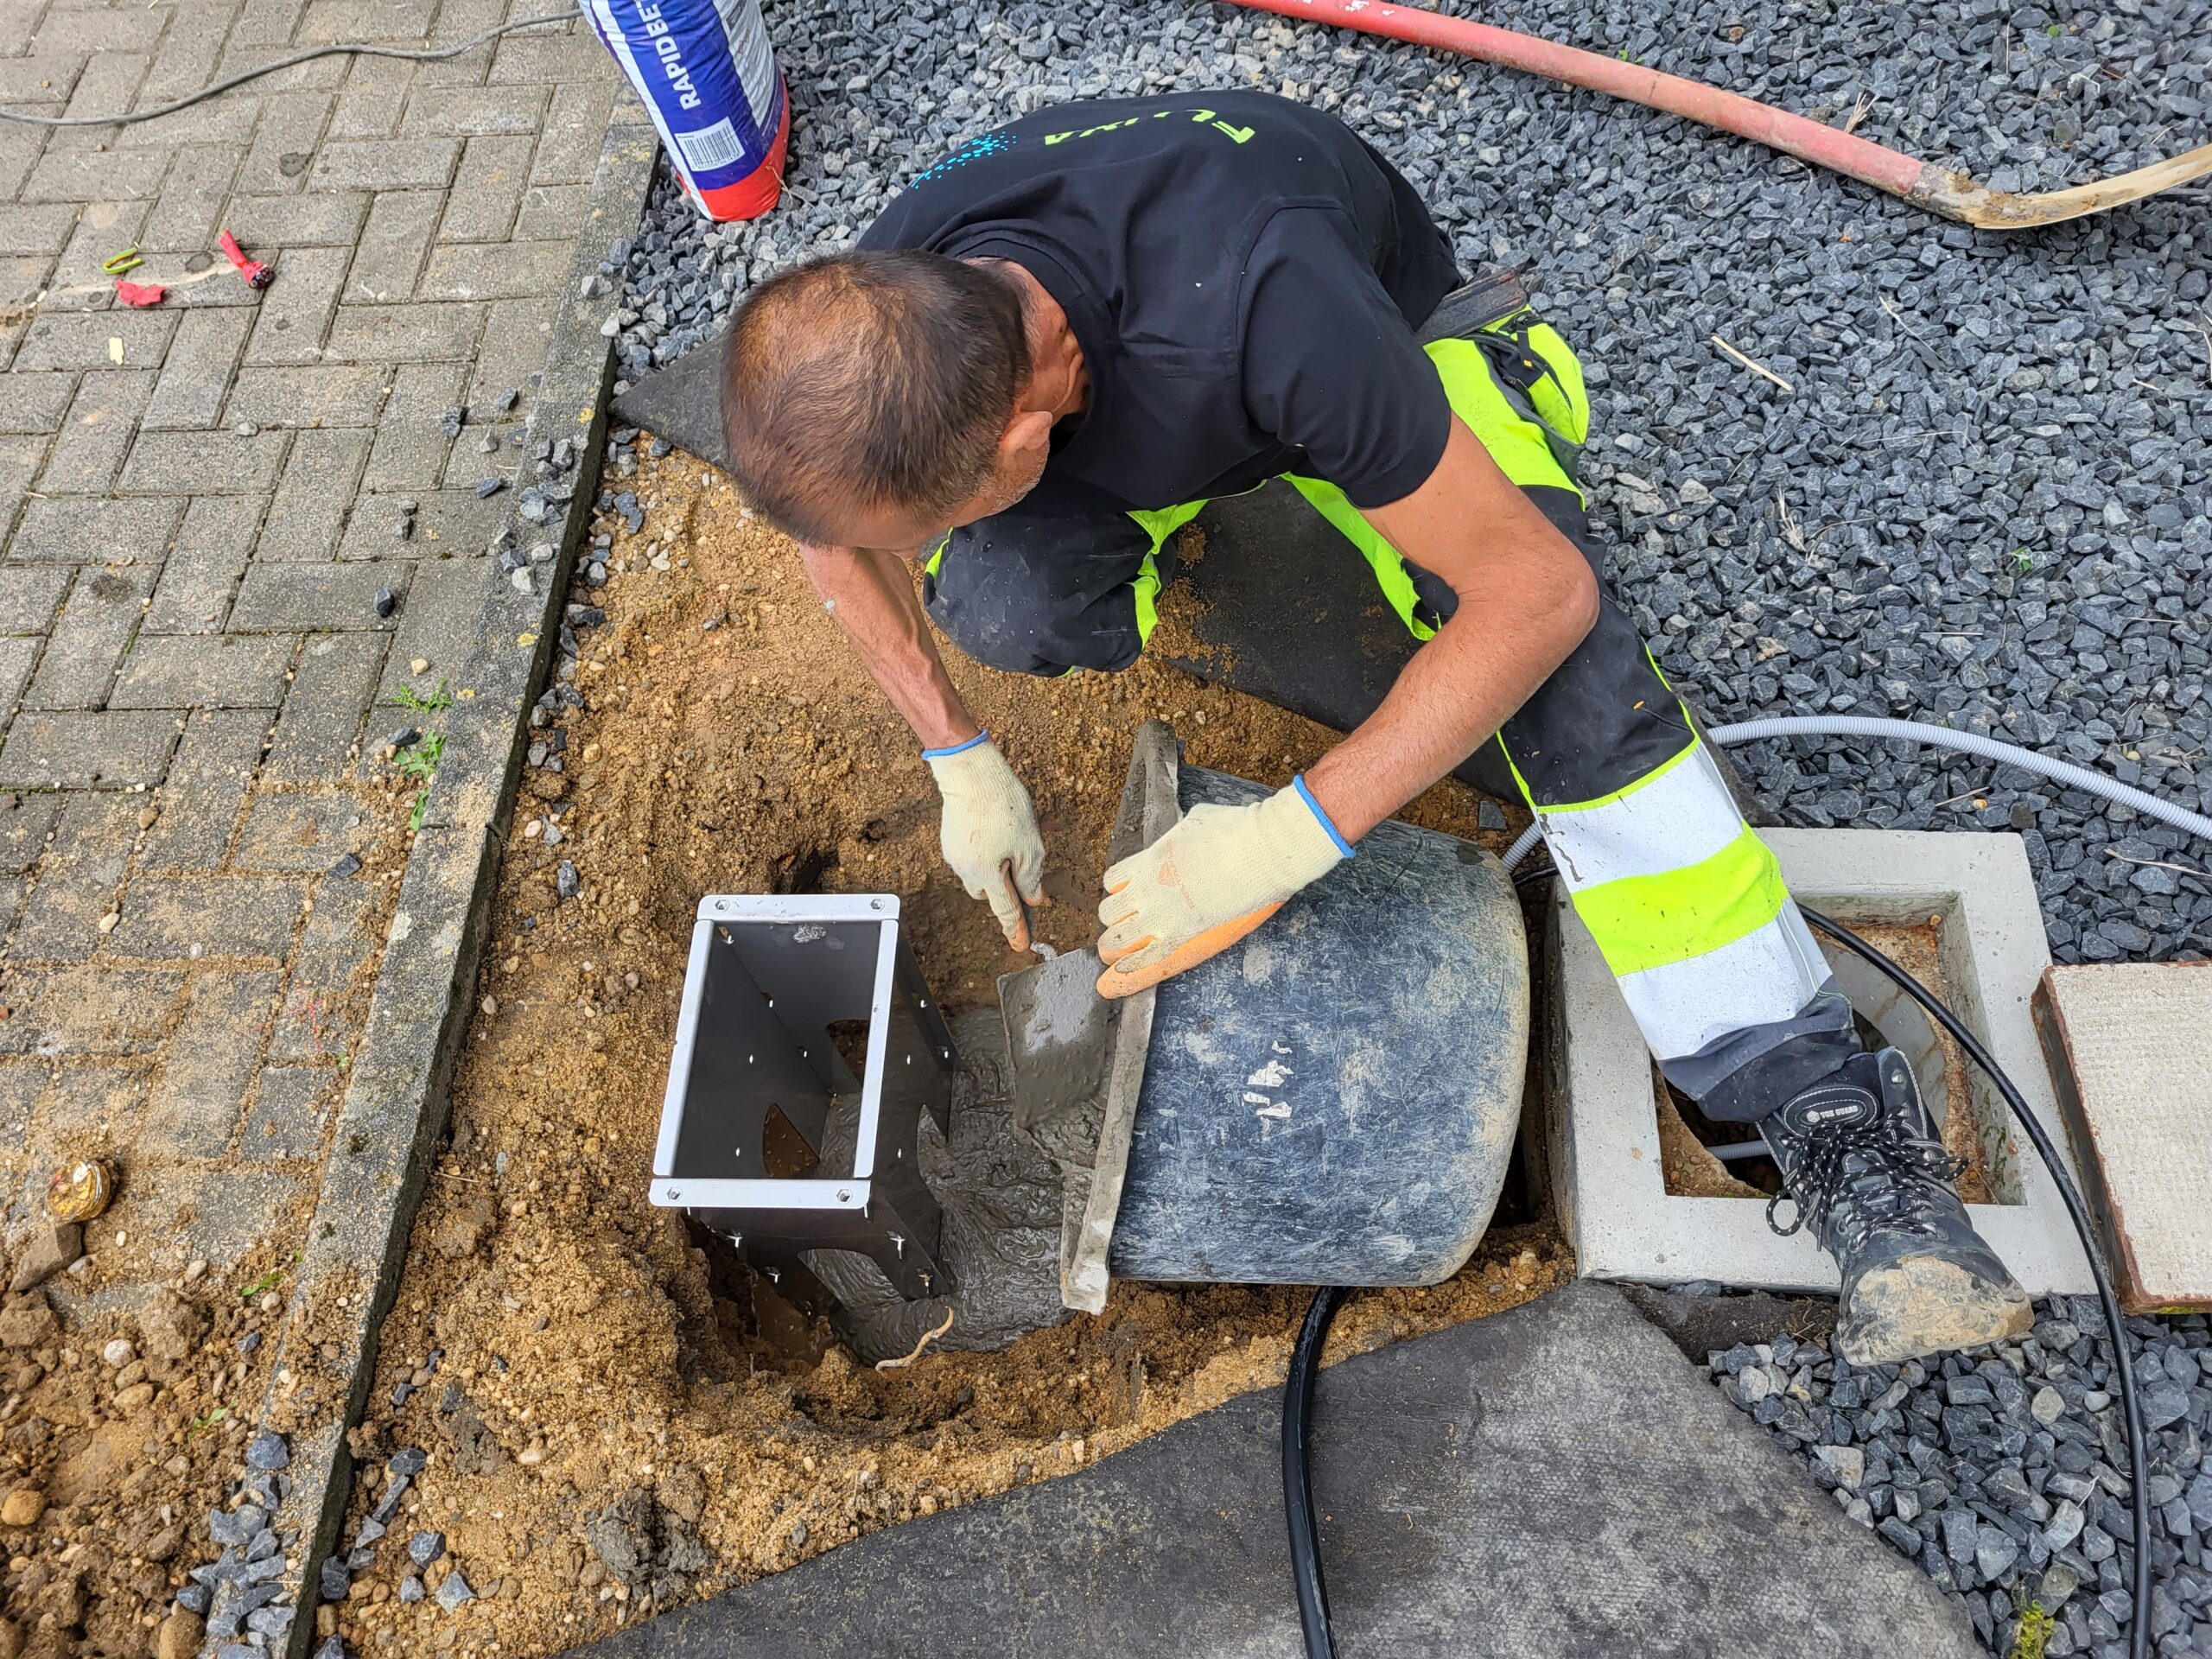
(1210, 880)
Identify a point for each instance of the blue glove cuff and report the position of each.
(1307, 796)
(985, 737)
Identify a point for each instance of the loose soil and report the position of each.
(611, 1429)
(110, 1469)
(1917, 947)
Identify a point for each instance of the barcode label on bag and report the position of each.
(711, 147)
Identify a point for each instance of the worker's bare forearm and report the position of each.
(1527, 599)
(872, 596)
(1458, 691)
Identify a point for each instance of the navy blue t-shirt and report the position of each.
(1244, 276)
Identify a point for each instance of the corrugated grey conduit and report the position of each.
(2064, 773)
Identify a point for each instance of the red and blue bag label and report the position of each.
(708, 75)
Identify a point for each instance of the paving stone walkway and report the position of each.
(236, 527)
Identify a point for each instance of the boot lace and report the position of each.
(1884, 1178)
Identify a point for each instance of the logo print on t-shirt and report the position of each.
(975, 149)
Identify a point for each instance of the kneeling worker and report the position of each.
(1066, 336)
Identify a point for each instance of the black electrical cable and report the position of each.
(2131, 1407)
(428, 54)
(1297, 1473)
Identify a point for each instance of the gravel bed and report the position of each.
(1981, 502)
(2003, 1473)
(236, 1606)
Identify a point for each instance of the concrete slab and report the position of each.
(2130, 1045)
(1555, 1481)
(1602, 1146)
(682, 403)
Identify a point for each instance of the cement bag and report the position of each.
(705, 68)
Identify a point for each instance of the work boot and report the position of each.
(1861, 1157)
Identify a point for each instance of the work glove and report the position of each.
(1209, 880)
(989, 833)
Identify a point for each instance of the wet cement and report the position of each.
(1001, 1233)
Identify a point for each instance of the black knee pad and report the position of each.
(1040, 596)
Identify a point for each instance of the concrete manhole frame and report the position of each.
(1599, 1147)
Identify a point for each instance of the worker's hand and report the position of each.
(989, 833)
(1208, 881)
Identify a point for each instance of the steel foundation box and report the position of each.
(782, 998)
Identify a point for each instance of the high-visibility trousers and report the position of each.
(1684, 900)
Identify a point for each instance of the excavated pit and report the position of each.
(622, 1401)
(1687, 1137)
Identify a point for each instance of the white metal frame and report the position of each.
(670, 1190)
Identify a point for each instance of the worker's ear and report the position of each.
(1028, 431)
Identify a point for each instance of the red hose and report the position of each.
(1953, 196)
(1810, 141)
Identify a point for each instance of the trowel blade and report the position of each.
(1058, 1033)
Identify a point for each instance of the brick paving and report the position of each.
(200, 506)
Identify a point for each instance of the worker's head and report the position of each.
(874, 399)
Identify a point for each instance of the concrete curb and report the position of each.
(1604, 1167)
(396, 1105)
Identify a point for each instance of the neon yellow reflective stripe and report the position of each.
(1515, 443)
(1519, 447)
(936, 559)
(1390, 574)
(1160, 523)
(1560, 396)
(1769, 975)
(1679, 815)
(1647, 921)
(1147, 593)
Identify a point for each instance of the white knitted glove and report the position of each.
(1209, 880)
(989, 833)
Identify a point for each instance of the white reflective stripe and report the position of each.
(1680, 818)
(1762, 977)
